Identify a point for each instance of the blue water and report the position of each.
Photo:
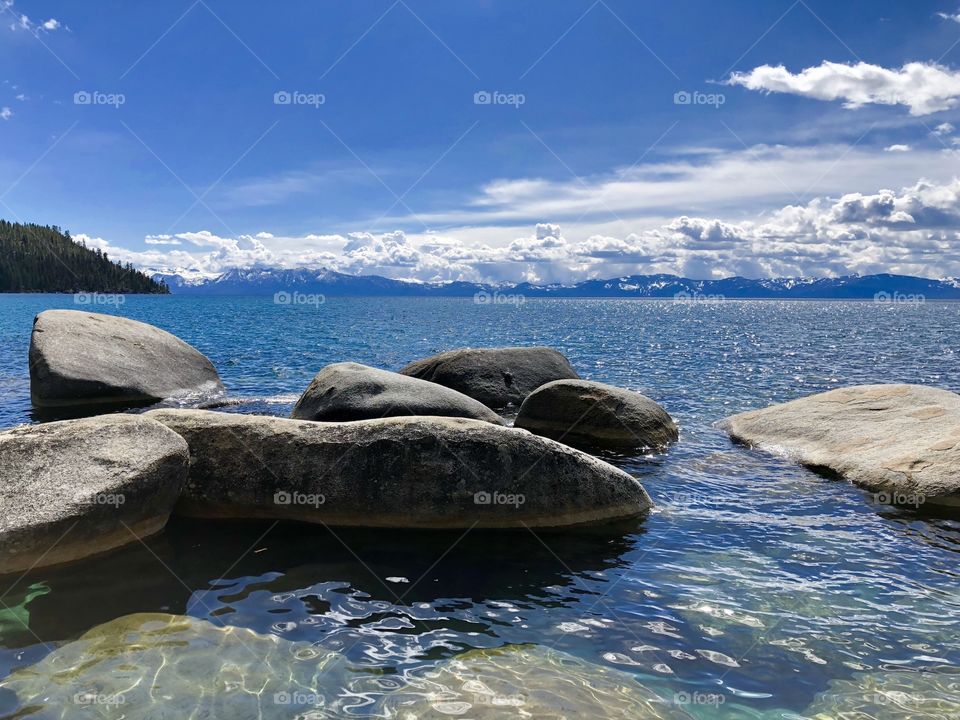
(754, 578)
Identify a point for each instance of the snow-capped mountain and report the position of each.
(332, 283)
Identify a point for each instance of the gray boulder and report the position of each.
(495, 376)
(84, 358)
(901, 442)
(428, 472)
(593, 415)
(79, 487)
(350, 391)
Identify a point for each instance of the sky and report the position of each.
(489, 140)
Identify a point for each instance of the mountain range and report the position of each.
(882, 287)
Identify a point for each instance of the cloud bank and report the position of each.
(888, 231)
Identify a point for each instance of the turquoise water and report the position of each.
(754, 580)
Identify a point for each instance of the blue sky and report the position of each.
(159, 131)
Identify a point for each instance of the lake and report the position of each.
(755, 589)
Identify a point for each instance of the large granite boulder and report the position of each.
(529, 681)
(78, 487)
(350, 391)
(593, 415)
(428, 472)
(154, 666)
(84, 358)
(902, 442)
(497, 377)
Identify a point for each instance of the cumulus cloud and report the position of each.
(6, 113)
(913, 230)
(897, 148)
(923, 87)
(949, 16)
(22, 22)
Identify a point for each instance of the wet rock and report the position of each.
(495, 376)
(529, 681)
(84, 358)
(169, 667)
(594, 415)
(933, 695)
(350, 391)
(902, 442)
(78, 487)
(429, 472)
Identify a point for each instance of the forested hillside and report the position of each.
(36, 258)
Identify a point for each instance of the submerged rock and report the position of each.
(495, 376)
(429, 472)
(350, 391)
(900, 441)
(593, 415)
(160, 667)
(84, 358)
(890, 696)
(528, 681)
(78, 487)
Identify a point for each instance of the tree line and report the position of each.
(41, 258)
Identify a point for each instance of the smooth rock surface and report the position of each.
(594, 415)
(78, 487)
(496, 377)
(892, 695)
(84, 358)
(529, 681)
(172, 667)
(900, 441)
(351, 391)
(426, 472)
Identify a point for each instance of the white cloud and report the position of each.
(914, 230)
(947, 16)
(22, 22)
(923, 87)
(897, 148)
(6, 113)
(944, 129)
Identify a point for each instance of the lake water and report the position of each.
(755, 587)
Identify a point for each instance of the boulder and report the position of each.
(154, 666)
(428, 472)
(78, 487)
(529, 681)
(593, 415)
(497, 377)
(902, 442)
(350, 391)
(84, 358)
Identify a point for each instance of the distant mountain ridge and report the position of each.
(335, 284)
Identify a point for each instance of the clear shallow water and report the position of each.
(754, 579)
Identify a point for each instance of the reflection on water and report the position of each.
(756, 589)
